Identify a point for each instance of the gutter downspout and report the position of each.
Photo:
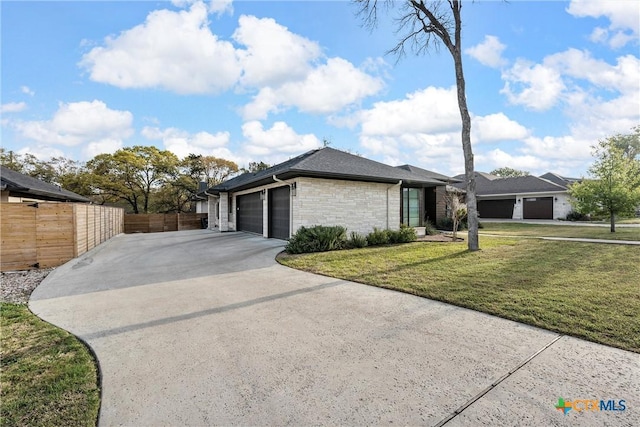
(389, 188)
(207, 199)
(276, 179)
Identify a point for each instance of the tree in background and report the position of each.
(614, 186)
(629, 144)
(132, 174)
(255, 167)
(181, 189)
(424, 26)
(68, 174)
(508, 172)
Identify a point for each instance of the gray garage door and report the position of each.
(496, 208)
(538, 208)
(249, 213)
(279, 213)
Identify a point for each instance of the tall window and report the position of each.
(411, 207)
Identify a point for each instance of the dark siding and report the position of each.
(538, 208)
(279, 210)
(496, 208)
(249, 213)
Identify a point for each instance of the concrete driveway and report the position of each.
(201, 328)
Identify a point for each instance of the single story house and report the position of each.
(325, 187)
(16, 187)
(522, 197)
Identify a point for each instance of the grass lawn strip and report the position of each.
(538, 230)
(48, 377)
(586, 290)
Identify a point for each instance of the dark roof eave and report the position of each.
(293, 173)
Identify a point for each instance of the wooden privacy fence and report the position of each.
(40, 235)
(155, 223)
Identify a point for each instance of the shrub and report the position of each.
(378, 237)
(318, 238)
(357, 240)
(577, 216)
(447, 224)
(406, 234)
(430, 229)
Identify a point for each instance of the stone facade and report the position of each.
(358, 206)
(561, 206)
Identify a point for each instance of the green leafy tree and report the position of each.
(11, 160)
(255, 167)
(629, 144)
(179, 192)
(614, 187)
(132, 174)
(424, 26)
(508, 172)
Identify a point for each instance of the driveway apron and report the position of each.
(203, 328)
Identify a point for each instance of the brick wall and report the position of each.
(358, 206)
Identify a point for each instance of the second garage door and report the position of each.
(496, 208)
(249, 212)
(538, 208)
(279, 213)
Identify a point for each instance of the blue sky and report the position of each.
(265, 81)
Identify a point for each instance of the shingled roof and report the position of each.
(487, 184)
(327, 163)
(26, 186)
(428, 174)
(560, 180)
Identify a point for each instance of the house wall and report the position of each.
(358, 206)
(561, 207)
(441, 203)
(4, 196)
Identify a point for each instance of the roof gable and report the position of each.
(490, 184)
(327, 163)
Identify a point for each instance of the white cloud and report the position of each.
(535, 86)
(183, 143)
(27, 91)
(172, 50)
(13, 107)
(497, 158)
(326, 89)
(497, 127)
(218, 7)
(42, 151)
(624, 17)
(430, 110)
(277, 143)
(274, 55)
(91, 124)
(99, 147)
(488, 52)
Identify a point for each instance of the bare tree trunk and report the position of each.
(472, 205)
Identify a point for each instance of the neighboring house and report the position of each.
(522, 197)
(324, 187)
(16, 188)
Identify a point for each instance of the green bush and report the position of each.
(357, 240)
(447, 224)
(430, 229)
(378, 237)
(577, 216)
(405, 234)
(318, 238)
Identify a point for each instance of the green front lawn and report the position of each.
(48, 377)
(581, 231)
(587, 290)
